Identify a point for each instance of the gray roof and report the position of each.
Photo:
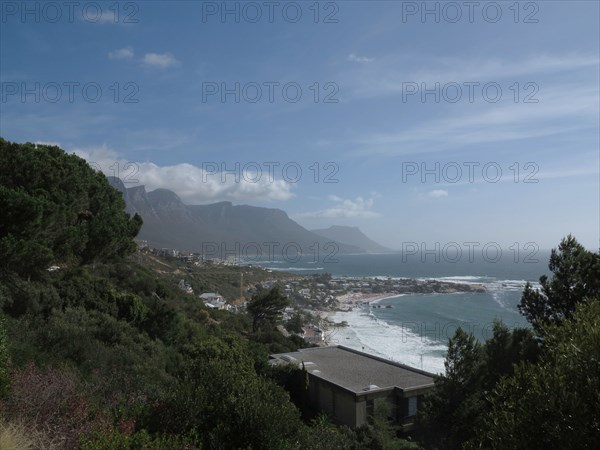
(355, 370)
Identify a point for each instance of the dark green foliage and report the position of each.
(55, 209)
(81, 287)
(128, 360)
(22, 296)
(382, 434)
(505, 349)
(453, 409)
(522, 390)
(450, 410)
(266, 306)
(296, 382)
(113, 355)
(131, 307)
(555, 403)
(294, 324)
(323, 435)
(221, 397)
(115, 439)
(575, 279)
(96, 341)
(274, 342)
(463, 358)
(4, 358)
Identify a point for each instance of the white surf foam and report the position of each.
(397, 343)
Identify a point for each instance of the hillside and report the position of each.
(351, 236)
(104, 351)
(103, 347)
(218, 228)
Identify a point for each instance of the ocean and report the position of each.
(414, 329)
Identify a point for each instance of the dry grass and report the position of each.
(16, 436)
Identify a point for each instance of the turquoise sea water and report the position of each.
(414, 329)
(508, 266)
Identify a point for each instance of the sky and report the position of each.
(420, 122)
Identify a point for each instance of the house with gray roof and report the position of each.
(348, 385)
(214, 300)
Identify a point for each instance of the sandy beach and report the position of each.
(346, 303)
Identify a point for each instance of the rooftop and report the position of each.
(355, 370)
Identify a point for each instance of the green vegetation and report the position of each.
(527, 388)
(453, 409)
(104, 351)
(576, 279)
(54, 209)
(266, 307)
(99, 348)
(4, 359)
(556, 402)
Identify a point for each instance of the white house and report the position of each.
(214, 300)
(211, 297)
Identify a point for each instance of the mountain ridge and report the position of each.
(221, 228)
(351, 236)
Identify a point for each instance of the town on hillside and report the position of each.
(227, 284)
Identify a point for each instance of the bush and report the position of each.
(116, 440)
(16, 436)
(4, 358)
(51, 401)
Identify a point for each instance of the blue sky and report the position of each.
(416, 128)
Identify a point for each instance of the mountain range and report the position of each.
(351, 236)
(222, 229)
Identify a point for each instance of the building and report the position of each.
(349, 385)
(211, 297)
(312, 334)
(213, 300)
(184, 286)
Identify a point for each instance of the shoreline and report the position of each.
(348, 302)
(358, 298)
(351, 319)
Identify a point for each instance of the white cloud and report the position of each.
(388, 76)
(103, 16)
(359, 208)
(160, 60)
(353, 57)
(192, 184)
(562, 111)
(52, 144)
(106, 16)
(122, 53)
(438, 193)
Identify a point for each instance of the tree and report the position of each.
(463, 357)
(294, 324)
(555, 403)
(505, 349)
(576, 278)
(54, 208)
(450, 409)
(222, 397)
(266, 307)
(453, 410)
(4, 358)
